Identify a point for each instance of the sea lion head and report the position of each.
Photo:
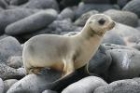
(100, 23)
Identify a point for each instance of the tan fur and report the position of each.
(66, 53)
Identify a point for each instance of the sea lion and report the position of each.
(66, 53)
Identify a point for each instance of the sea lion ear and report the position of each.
(101, 21)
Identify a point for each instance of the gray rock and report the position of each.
(121, 86)
(122, 3)
(32, 23)
(12, 15)
(9, 46)
(85, 85)
(66, 13)
(15, 62)
(130, 35)
(7, 72)
(1, 86)
(124, 17)
(111, 37)
(3, 36)
(49, 91)
(115, 46)
(83, 8)
(125, 64)
(62, 26)
(41, 4)
(100, 62)
(84, 17)
(35, 83)
(133, 6)
(8, 83)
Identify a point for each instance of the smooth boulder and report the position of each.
(32, 23)
(85, 85)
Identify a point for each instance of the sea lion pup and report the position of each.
(66, 53)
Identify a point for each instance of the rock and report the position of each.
(129, 34)
(112, 37)
(125, 64)
(15, 62)
(82, 19)
(83, 8)
(85, 85)
(133, 6)
(7, 72)
(100, 62)
(96, 1)
(66, 13)
(49, 91)
(32, 23)
(41, 4)
(8, 83)
(48, 79)
(3, 36)
(3, 4)
(124, 17)
(121, 86)
(9, 46)
(1, 86)
(62, 25)
(42, 31)
(12, 15)
(114, 46)
(18, 2)
(122, 3)
(66, 3)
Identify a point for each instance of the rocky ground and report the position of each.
(114, 69)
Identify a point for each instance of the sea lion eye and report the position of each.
(101, 21)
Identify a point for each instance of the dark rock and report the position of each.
(41, 4)
(32, 23)
(100, 62)
(8, 83)
(66, 3)
(49, 91)
(66, 13)
(85, 85)
(125, 64)
(12, 15)
(18, 2)
(112, 37)
(9, 46)
(124, 17)
(15, 62)
(7, 72)
(121, 86)
(133, 6)
(1, 86)
(96, 1)
(3, 4)
(84, 17)
(83, 8)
